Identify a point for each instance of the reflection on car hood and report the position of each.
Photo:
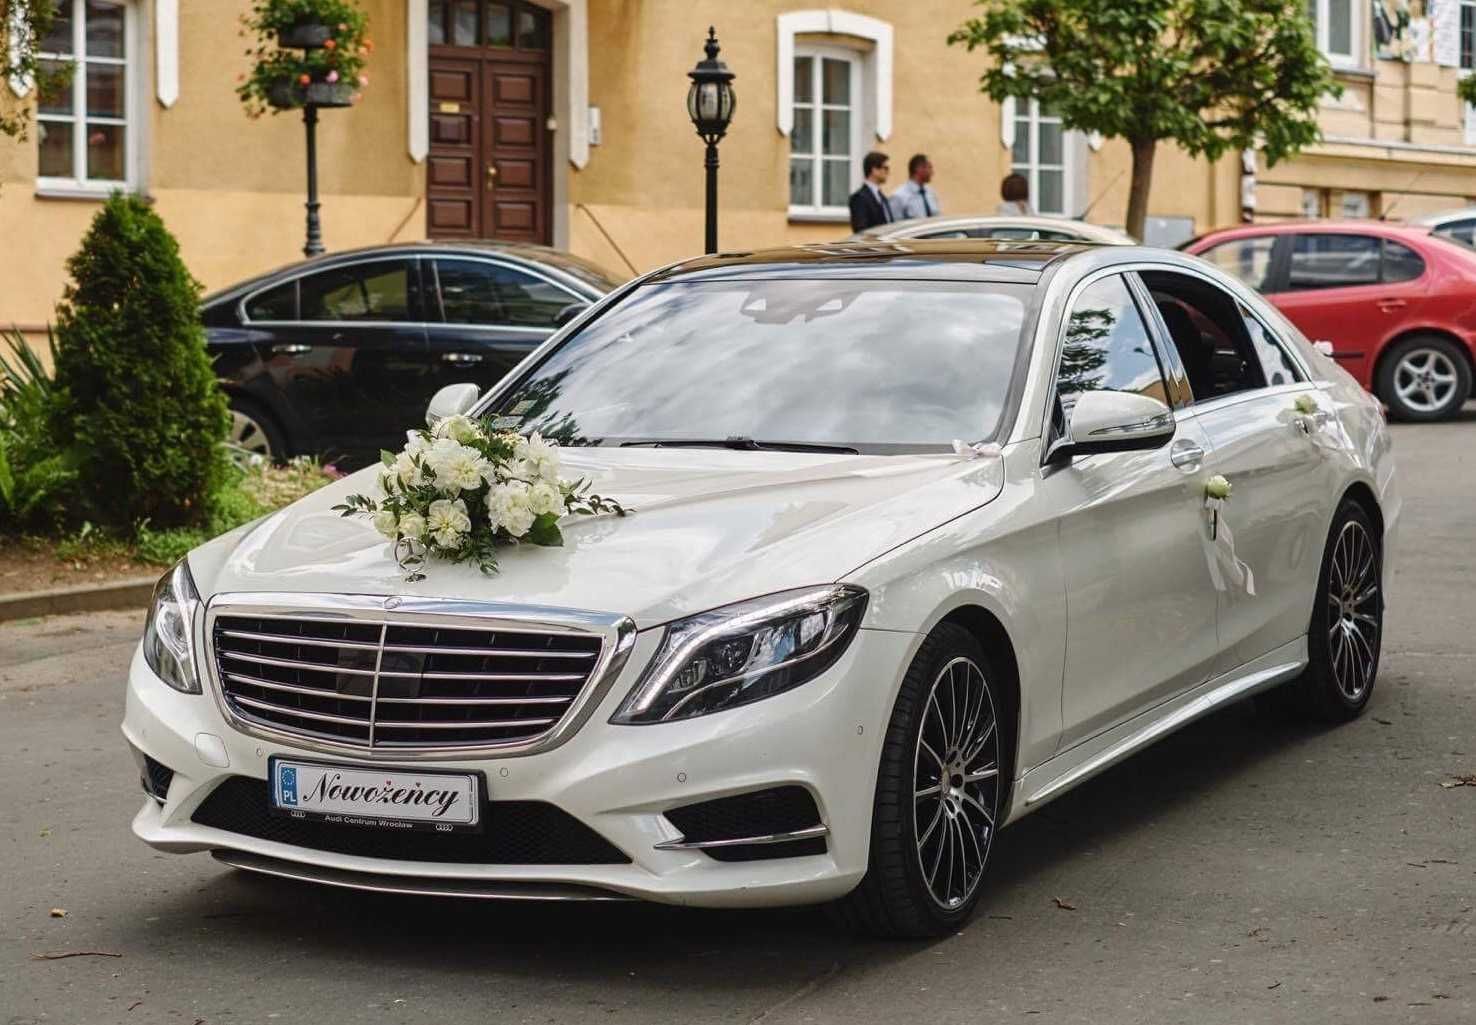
(708, 527)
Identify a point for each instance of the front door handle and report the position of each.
(461, 357)
(294, 349)
(1390, 305)
(1186, 455)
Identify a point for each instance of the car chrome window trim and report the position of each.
(416, 258)
(617, 632)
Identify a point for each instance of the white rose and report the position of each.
(447, 522)
(385, 523)
(459, 428)
(508, 507)
(544, 497)
(541, 455)
(413, 526)
(410, 475)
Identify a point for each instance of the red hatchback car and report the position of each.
(1397, 303)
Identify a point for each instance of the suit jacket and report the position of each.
(867, 210)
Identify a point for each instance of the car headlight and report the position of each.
(167, 643)
(743, 653)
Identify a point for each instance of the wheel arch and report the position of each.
(1360, 492)
(992, 636)
(1405, 335)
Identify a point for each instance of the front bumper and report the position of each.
(825, 736)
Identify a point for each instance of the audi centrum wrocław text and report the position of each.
(921, 535)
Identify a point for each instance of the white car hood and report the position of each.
(707, 527)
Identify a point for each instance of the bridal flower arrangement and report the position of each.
(461, 491)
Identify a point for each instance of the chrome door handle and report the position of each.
(461, 357)
(290, 350)
(1186, 455)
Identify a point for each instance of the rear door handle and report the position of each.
(1390, 305)
(293, 349)
(461, 357)
(1186, 455)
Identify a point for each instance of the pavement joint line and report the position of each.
(117, 594)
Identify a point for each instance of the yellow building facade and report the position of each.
(563, 121)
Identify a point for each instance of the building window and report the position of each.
(1338, 26)
(83, 128)
(1041, 152)
(1468, 35)
(512, 24)
(825, 142)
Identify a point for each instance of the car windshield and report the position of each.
(873, 366)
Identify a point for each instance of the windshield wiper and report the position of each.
(740, 443)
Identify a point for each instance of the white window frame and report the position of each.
(78, 184)
(855, 149)
(1029, 119)
(1357, 13)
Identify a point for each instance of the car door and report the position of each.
(351, 364)
(1140, 603)
(490, 315)
(1352, 290)
(1283, 481)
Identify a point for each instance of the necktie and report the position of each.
(927, 207)
(886, 207)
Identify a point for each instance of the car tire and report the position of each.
(254, 432)
(1426, 377)
(951, 798)
(1347, 627)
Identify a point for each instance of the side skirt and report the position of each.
(1053, 778)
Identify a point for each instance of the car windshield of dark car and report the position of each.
(875, 365)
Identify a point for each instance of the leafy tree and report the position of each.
(1209, 75)
(135, 387)
(23, 25)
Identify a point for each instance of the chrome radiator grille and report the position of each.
(398, 684)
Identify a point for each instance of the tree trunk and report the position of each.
(1137, 215)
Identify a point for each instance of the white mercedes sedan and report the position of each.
(920, 536)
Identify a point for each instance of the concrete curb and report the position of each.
(121, 594)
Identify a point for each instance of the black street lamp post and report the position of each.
(314, 244)
(710, 103)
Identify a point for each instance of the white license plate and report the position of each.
(383, 798)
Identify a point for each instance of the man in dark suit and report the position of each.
(868, 203)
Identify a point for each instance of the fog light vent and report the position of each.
(156, 779)
(781, 822)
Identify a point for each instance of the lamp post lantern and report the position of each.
(710, 103)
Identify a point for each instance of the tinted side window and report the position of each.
(1333, 261)
(468, 292)
(1401, 263)
(1275, 363)
(1249, 259)
(381, 291)
(523, 300)
(279, 303)
(1107, 347)
(1461, 231)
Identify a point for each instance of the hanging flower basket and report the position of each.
(305, 53)
(309, 35)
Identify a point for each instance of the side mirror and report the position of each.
(568, 313)
(1117, 421)
(452, 400)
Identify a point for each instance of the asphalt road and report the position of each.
(1244, 871)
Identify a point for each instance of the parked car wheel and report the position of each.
(1347, 620)
(938, 795)
(254, 432)
(1426, 377)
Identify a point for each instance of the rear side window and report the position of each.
(1270, 352)
(1461, 231)
(1107, 347)
(1401, 263)
(278, 303)
(1333, 261)
(1248, 259)
(378, 292)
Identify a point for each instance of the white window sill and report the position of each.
(62, 189)
(819, 216)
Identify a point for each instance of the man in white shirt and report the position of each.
(915, 198)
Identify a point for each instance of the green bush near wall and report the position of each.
(135, 389)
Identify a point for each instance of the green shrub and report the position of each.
(36, 474)
(135, 388)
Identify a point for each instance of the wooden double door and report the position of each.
(489, 170)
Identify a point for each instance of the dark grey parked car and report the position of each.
(339, 355)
